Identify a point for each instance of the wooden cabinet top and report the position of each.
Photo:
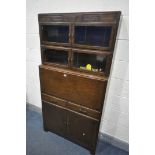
(110, 17)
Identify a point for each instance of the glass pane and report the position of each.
(55, 56)
(56, 33)
(93, 62)
(93, 35)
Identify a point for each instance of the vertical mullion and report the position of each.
(73, 34)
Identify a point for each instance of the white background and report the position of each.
(13, 78)
(115, 119)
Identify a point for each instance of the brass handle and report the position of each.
(65, 75)
(54, 102)
(83, 134)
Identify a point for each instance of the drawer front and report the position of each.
(71, 106)
(78, 89)
(54, 100)
(83, 130)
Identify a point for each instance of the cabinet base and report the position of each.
(45, 129)
(92, 152)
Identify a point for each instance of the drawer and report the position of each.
(71, 106)
(54, 100)
(84, 110)
(88, 91)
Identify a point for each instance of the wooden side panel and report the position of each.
(80, 90)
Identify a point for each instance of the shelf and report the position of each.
(44, 46)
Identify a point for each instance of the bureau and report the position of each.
(76, 51)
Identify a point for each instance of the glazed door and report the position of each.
(91, 61)
(55, 34)
(54, 118)
(82, 130)
(98, 36)
(56, 56)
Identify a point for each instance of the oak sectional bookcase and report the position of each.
(76, 52)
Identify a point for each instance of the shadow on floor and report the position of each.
(46, 143)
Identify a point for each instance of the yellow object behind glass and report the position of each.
(88, 67)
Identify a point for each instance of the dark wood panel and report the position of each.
(72, 106)
(107, 17)
(80, 90)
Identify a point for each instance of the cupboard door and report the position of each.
(83, 130)
(54, 118)
(74, 87)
